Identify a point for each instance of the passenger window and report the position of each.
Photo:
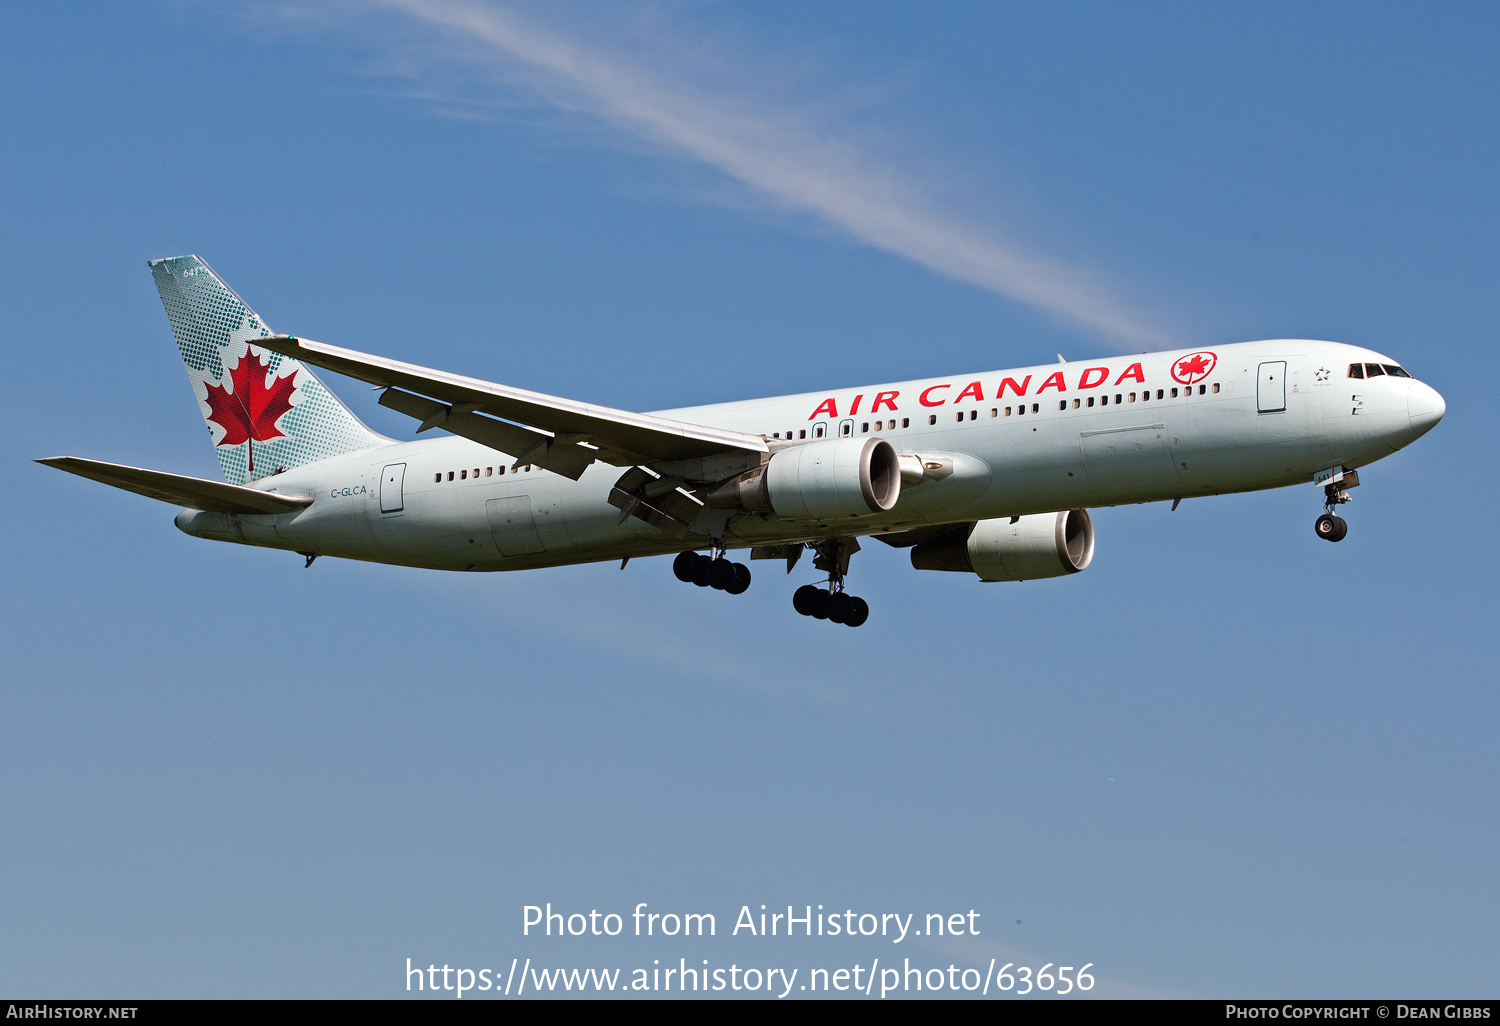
(1357, 370)
(1374, 370)
(1174, 393)
(932, 419)
(1104, 400)
(476, 473)
(1035, 407)
(1091, 400)
(463, 474)
(1020, 410)
(1007, 411)
(501, 469)
(864, 428)
(960, 416)
(1146, 396)
(1203, 390)
(1132, 397)
(1394, 371)
(802, 433)
(489, 471)
(818, 431)
(450, 475)
(1158, 393)
(775, 434)
(1117, 399)
(1077, 403)
(1216, 388)
(906, 422)
(437, 478)
(973, 414)
(1062, 404)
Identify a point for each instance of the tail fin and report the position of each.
(265, 412)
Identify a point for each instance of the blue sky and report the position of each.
(1228, 760)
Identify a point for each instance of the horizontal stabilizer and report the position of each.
(193, 492)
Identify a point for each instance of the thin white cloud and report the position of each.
(772, 150)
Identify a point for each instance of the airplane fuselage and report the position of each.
(1244, 417)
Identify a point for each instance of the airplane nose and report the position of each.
(1424, 406)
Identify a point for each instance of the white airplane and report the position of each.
(990, 474)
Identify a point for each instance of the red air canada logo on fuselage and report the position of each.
(1193, 368)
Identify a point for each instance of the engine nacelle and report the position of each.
(827, 480)
(1036, 546)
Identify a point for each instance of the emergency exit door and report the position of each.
(1270, 387)
(391, 479)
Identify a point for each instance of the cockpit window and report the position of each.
(1394, 371)
(1356, 370)
(1374, 370)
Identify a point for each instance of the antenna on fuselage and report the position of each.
(1060, 359)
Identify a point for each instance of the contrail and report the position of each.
(771, 154)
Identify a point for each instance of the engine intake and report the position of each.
(1036, 546)
(827, 480)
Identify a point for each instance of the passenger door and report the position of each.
(392, 479)
(1270, 387)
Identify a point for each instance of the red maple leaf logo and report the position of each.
(251, 411)
(1194, 368)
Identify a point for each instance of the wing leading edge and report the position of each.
(561, 435)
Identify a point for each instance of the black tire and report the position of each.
(720, 574)
(701, 570)
(741, 580)
(1327, 527)
(859, 612)
(819, 604)
(805, 598)
(684, 565)
(838, 607)
(1340, 529)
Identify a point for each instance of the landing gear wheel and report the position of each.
(685, 565)
(741, 580)
(702, 567)
(720, 574)
(1331, 528)
(838, 607)
(805, 599)
(859, 612)
(819, 604)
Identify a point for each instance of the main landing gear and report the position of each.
(832, 604)
(1330, 525)
(712, 572)
(835, 606)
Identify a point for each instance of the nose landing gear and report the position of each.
(712, 572)
(1331, 526)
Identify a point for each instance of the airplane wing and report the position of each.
(194, 492)
(562, 435)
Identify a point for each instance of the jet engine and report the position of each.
(827, 480)
(1036, 546)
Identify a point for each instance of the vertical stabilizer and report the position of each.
(266, 412)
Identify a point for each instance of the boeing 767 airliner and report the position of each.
(989, 474)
